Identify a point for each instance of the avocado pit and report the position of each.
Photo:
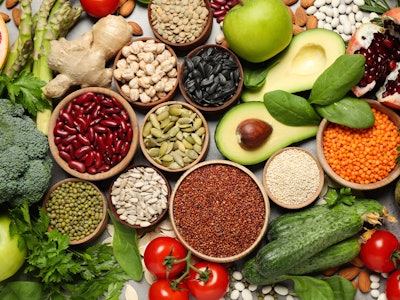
(252, 133)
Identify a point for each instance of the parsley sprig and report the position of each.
(344, 196)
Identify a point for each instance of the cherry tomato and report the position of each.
(380, 251)
(393, 286)
(164, 289)
(99, 8)
(160, 254)
(211, 287)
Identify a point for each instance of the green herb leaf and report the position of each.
(126, 250)
(16, 290)
(344, 196)
(331, 197)
(338, 79)
(290, 109)
(350, 112)
(342, 288)
(254, 75)
(307, 287)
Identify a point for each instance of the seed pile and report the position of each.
(179, 21)
(211, 76)
(147, 71)
(292, 176)
(139, 195)
(362, 155)
(75, 208)
(174, 136)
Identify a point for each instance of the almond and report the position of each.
(355, 284)
(5, 17)
(300, 16)
(306, 3)
(357, 262)
(127, 8)
(312, 22)
(289, 2)
(364, 282)
(349, 272)
(11, 3)
(121, 2)
(16, 15)
(136, 29)
(297, 29)
(330, 271)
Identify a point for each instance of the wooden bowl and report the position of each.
(181, 47)
(191, 143)
(121, 84)
(68, 143)
(203, 106)
(104, 218)
(394, 117)
(149, 176)
(293, 178)
(219, 210)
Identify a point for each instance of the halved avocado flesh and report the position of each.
(281, 136)
(299, 65)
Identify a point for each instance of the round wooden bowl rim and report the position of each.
(184, 47)
(394, 174)
(305, 203)
(117, 168)
(206, 142)
(211, 109)
(263, 229)
(139, 104)
(159, 218)
(104, 219)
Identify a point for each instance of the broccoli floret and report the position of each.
(25, 163)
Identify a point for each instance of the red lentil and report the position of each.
(362, 155)
(219, 210)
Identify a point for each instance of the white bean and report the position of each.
(382, 297)
(375, 293)
(235, 294)
(342, 8)
(239, 286)
(374, 277)
(359, 16)
(266, 289)
(319, 3)
(359, 2)
(335, 22)
(247, 295)
(311, 10)
(281, 290)
(375, 285)
(320, 15)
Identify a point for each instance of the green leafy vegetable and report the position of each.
(17, 290)
(344, 196)
(311, 288)
(255, 74)
(342, 288)
(378, 6)
(126, 249)
(350, 112)
(290, 109)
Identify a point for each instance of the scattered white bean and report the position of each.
(375, 285)
(239, 286)
(247, 295)
(385, 275)
(359, 2)
(374, 277)
(311, 10)
(319, 3)
(281, 290)
(252, 287)
(237, 275)
(269, 297)
(375, 293)
(289, 297)
(266, 289)
(235, 294)
(382, 296)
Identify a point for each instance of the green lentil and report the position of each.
(75, 208)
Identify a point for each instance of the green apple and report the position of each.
(257, 30)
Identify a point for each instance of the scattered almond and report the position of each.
(16, 15)
(225, 44)
(349, 272)
(355, 284)
(127, 8)
(136, 29)
(357, 262)
(5, 17)
(312, 22)
(291, 13)
(330, 271)
(306, 3)
(11, 3)
(121, 2)
(297, 29)
(364, 282)
(290, 2)
(300, 16)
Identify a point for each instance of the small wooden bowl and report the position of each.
(133, 180)
(394, 174)
(104, 220)
(183, 47)
(156, 159)
(203, 108)
(296, 177)
(63, 105)
(138, 103)
(230, 206)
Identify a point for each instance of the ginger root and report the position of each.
(83, 61)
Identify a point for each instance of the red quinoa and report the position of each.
(219, 210)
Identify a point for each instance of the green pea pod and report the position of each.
(126, 250)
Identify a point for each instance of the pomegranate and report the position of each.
(381, 48)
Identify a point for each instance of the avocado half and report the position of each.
(281, 136)
(299, 65)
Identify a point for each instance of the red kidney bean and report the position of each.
(97, 160)
(220, 12)
(215, 6)
(61, 147)
(64, 155)
(90, 134)
(57, 140)
(124, 115)
(103, 168)
(83, 139)
(220, 2)
(68, 108)
(125, 149)
(60, 132)
(96, 110)
(110, 138)
(129, 134)
(123, 125)
(109, 123)
(81, 124)
(85, 97)
(220, 19)
(112, 110)
(89, 160)
(107, 102)
(100, 143)
(68, 140)
(100, 129)
(89, 108)
(92, 170)
(82, 151)
(70, 130)
(77, 165)
(117, 145)
(68, 119)
(117, 103)
(75, 144)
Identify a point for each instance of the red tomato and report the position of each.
(212, 289)
(393, 286)
(99, 8)
(380, 252)
(163, 289)
(160, 254)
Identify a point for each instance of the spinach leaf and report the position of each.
(17, 290)
(351, 112)
(338, 79)
(342, 288)
(126, 250)
(290, 109)
(254, 75)
(311, 288)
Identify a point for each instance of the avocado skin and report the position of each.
(281, 136)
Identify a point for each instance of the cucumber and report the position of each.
(277, 257)
(251, 274)
(333, 256)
